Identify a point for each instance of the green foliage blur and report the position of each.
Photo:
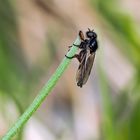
(122, 118)
(12, 65)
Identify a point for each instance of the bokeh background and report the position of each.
(34, 35)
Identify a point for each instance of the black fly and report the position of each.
(86, 56)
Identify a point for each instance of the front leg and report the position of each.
(79, 46)
(81, 35)
(74, 45)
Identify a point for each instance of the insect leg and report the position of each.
(81, 35)
(69, 47)
(76, 45)
(78, 56)
(82, 44)
(75, 56)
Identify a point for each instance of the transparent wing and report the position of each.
(89, 64)
(81, 70)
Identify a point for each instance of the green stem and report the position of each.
(42, 94)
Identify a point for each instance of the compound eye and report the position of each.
(89, 34)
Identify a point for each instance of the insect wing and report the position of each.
(89, 64)
(81, 34)
(81, 70)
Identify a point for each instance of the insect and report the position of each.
(86, 56)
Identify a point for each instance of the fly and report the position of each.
(86, 56)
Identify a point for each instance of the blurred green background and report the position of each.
(34, 35)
